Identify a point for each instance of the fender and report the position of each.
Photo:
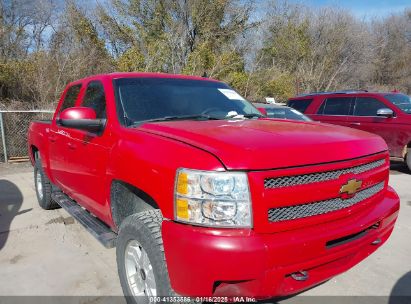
(149, 162)
(38, 138)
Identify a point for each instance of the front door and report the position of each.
(58, 139)
(365, 118)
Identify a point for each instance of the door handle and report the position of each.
(71, 146)
(355, 123)
(52, 138)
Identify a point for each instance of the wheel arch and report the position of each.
(33, 153)
(127, 199)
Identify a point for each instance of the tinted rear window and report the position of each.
(336, 106)
(71, 97)
(299, 104)
(95, 98)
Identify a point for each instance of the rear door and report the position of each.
(58, 137)
(334, 110)
(365, 118)
(88, 155)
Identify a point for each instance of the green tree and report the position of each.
(174, 36)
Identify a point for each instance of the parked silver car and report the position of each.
(280, 112)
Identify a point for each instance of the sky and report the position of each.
(364, 8)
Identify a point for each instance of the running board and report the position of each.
(97, 228)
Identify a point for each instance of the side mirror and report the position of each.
(385, 112)
(263, 111)
(82, 118)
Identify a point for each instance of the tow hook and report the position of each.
(376, 242)
(300, 275)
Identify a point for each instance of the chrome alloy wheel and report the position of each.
(139, 271)
(39, 185)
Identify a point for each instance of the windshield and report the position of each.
(402, 101)
(286, 113)
(150, 99)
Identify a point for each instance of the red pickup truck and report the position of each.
(203, 196)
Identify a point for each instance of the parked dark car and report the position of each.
(385, 114)
(280, 112)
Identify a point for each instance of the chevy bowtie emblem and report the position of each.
(351, 187)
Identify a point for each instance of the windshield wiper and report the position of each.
(181, 117)
(195, 117)
(244, 115)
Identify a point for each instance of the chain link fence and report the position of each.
(13, 132)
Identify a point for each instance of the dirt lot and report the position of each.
(47, 253)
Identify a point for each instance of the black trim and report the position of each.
(308, 165)
(91, 125)
(349, 238)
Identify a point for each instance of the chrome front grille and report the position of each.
(287, 181)
(321, 207)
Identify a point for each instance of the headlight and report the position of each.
(213, 198)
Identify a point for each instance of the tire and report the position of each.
(139, 242)
(408, 160)
(43, 187)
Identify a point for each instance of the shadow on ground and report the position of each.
(401, 292)
(11, 200)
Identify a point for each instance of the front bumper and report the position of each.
(239, 262)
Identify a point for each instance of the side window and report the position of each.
(71, 97)
(336, 106)
(299, 104)
(366, 106)
(94, 98)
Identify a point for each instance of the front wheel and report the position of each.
(140, 258)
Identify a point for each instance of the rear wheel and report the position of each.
(140, 257)
(43, 187)
(408, 160)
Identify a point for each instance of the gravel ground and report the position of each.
(47, 253)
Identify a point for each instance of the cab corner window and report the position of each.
(95, 98)
(336, 106)
(70, 97)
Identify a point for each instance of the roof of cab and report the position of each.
(117, 75)
(341, 93)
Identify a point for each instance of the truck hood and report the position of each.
(268, 144)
